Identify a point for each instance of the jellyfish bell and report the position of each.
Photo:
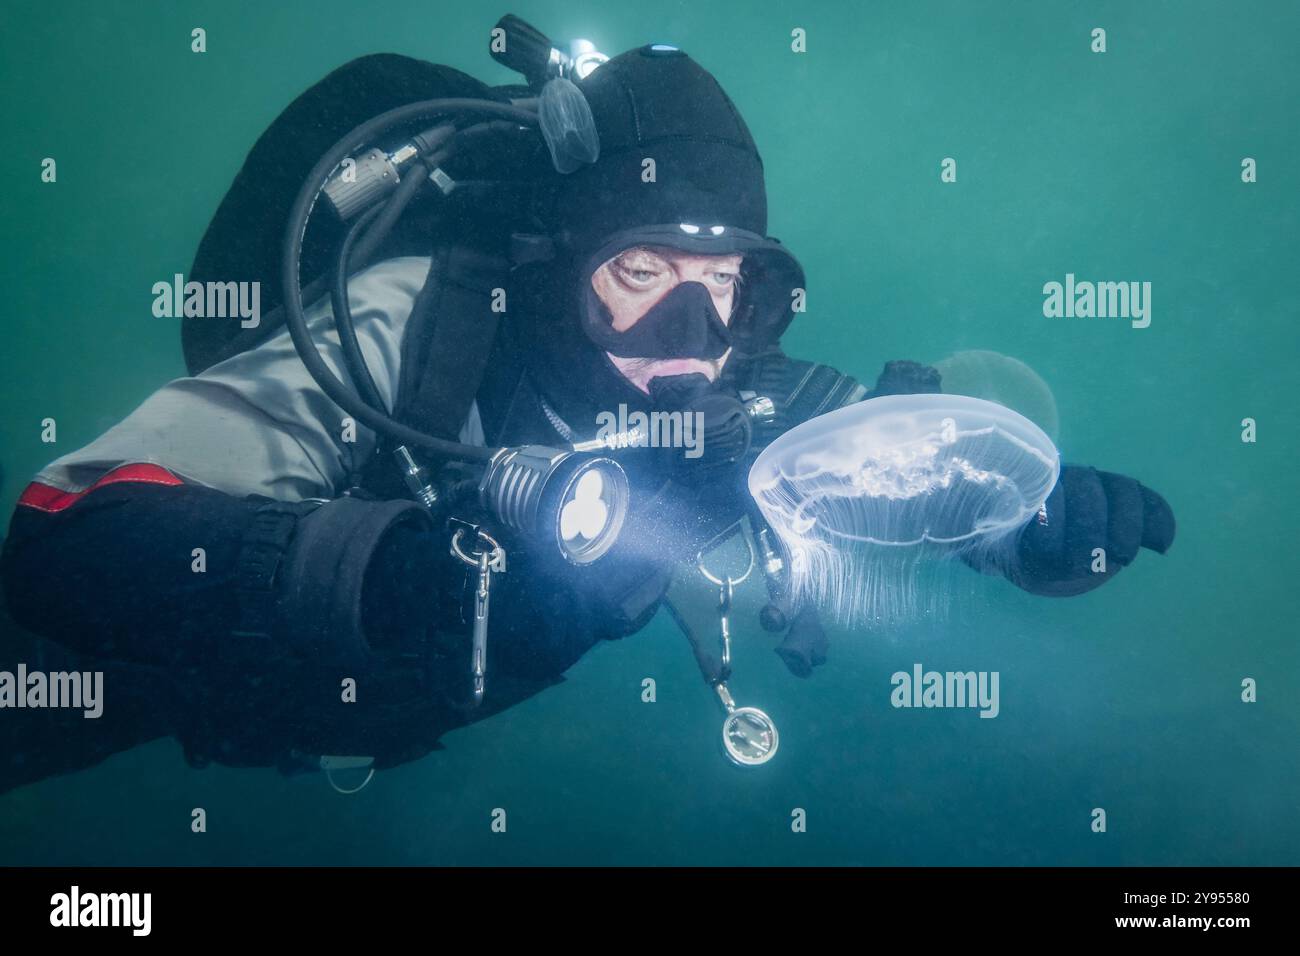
(1000, 378)
(868, 495)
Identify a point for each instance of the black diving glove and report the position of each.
(1086, 511)
(719, 429)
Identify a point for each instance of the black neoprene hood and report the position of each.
(706, 196)
(678, 168)
(657, 104)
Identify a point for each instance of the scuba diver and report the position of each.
(389, 508)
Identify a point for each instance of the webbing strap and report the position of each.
(452, 328)
(261, 555)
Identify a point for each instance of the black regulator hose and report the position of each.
(409, 185)
(387, 214)
(291, 251)
(358, 370)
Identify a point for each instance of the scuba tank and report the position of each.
(242, 242)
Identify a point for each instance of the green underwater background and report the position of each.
(1124, 165)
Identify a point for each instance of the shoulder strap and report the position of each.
(445, 351)
(449, 338)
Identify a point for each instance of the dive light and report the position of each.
(575, 501)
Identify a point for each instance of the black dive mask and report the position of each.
(683, 324)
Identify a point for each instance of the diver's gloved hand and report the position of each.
(720, 430)
(805, 643)
(1087, 510)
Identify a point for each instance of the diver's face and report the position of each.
(631, 283)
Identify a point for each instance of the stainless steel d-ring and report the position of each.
(749, 545)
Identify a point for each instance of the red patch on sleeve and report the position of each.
(46, 498)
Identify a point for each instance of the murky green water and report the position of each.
(1116, 166)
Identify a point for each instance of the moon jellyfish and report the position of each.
(1000, 378)
(866, 497)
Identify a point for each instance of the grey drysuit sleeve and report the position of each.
(258, 423)
(106, 568)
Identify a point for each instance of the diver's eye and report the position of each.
(638, 277)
